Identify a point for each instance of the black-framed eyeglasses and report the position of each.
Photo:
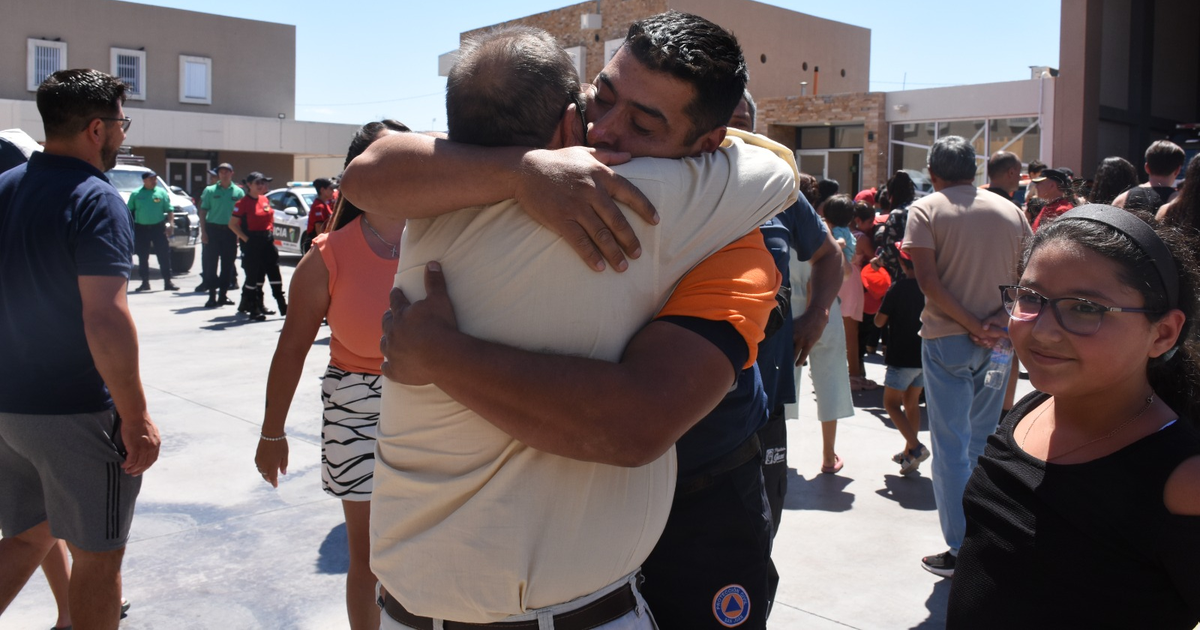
(1076, 315)
(125, 122)
(580, 102)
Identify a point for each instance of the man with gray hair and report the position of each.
(490, 508)
(964, 243)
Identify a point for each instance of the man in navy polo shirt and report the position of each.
(75, 435)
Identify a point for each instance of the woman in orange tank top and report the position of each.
(344, 279)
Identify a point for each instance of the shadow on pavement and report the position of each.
(192, 309)
(911, 493)
(334, 553)
(872, 403)
(936, 603)
(233, 321)
(822, 492)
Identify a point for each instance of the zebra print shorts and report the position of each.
(351, 401)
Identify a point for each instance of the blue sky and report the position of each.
(361, 60)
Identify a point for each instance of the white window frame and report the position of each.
(611, 47)
(579, 59)
(137, 90)
(184, 60)
(31, 60)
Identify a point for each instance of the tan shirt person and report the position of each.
(971, 269)
(466, 522)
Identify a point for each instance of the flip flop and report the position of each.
(838, 462)
(862, 384)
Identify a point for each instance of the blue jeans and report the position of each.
(962, 414)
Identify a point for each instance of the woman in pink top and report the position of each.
(344, 279)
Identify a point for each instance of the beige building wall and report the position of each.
(1009, 99)
(564, 25)
(253, 63)
(781, 47)
(207, 132)
(309, 168)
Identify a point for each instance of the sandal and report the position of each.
(838, 462)
(862, 383)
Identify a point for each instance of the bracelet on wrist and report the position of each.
(272, 439)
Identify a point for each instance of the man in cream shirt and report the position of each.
(475, 520)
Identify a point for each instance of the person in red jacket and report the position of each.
(253, 222)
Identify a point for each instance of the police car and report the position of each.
(291, 206)
(127, 178)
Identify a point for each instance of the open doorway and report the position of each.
(842, 165)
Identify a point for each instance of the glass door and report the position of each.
(843, 166)
(812, 162)
(190, 175)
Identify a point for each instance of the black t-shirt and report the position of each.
(903, 304)
(999, 191)
(1087, 545)
(1148, 198)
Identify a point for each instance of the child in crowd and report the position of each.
(901, 314)
(875, 282)
(839, 212)
(1084, 509)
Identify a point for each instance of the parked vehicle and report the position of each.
(291, 206)
(15, 148)
(127, 178)
(921, 182)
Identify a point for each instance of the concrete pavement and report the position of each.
(213, 546)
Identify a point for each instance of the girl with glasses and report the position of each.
(1084, 510)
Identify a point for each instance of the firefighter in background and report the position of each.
(253, 222)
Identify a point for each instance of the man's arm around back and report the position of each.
(666, 381)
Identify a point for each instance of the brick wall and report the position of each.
(563, 24)
(778, 118)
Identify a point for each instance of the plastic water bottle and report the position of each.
(999, 366)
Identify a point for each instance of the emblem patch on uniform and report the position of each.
(731, 606)
(775, 456)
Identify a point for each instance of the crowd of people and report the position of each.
(572, 413)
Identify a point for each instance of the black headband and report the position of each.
(1142, 235)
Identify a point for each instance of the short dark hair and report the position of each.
(952, 158)
(321, 183)
(1036, 166)
(69, 100)
(751, 108)
(706, 56)
(839, 209)
(1002, 161)
(1164, 157)
(509, 86)
(863, 212)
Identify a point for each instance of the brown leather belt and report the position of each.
(597, 613)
